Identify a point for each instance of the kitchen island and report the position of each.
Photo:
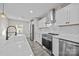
(15, 46)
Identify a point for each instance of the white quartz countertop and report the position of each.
(15, 46)
(70, 37)
(66, 36)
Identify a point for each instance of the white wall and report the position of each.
(26, 26)
(36, 31)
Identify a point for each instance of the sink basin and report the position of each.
(53, 33)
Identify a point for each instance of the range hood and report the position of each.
(53, 13)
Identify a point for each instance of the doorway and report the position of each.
(32, 32)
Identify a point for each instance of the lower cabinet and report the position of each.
(62, 47)
(55, 46)
(67, 48)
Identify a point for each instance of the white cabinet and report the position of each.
(55, 46)
(74, 13)
(69, 13)
(68, 48)
(61, 16)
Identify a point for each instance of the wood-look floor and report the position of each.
(37, 49)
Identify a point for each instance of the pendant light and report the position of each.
(3, 14)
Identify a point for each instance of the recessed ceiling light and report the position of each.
(31, 11)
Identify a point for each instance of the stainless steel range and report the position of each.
(47, 41)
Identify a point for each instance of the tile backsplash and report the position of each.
(65, 29)
(70, 29)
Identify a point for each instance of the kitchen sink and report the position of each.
(53, 33)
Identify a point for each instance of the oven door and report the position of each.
(47, 44)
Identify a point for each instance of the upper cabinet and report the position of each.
(61, 16)
(69, 13)
(74, 12)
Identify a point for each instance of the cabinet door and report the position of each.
(61, 47)
(67, 48)
(61, 16)
(74, 13)
(55, 46)
(70, 49)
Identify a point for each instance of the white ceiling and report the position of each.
(22, 10)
